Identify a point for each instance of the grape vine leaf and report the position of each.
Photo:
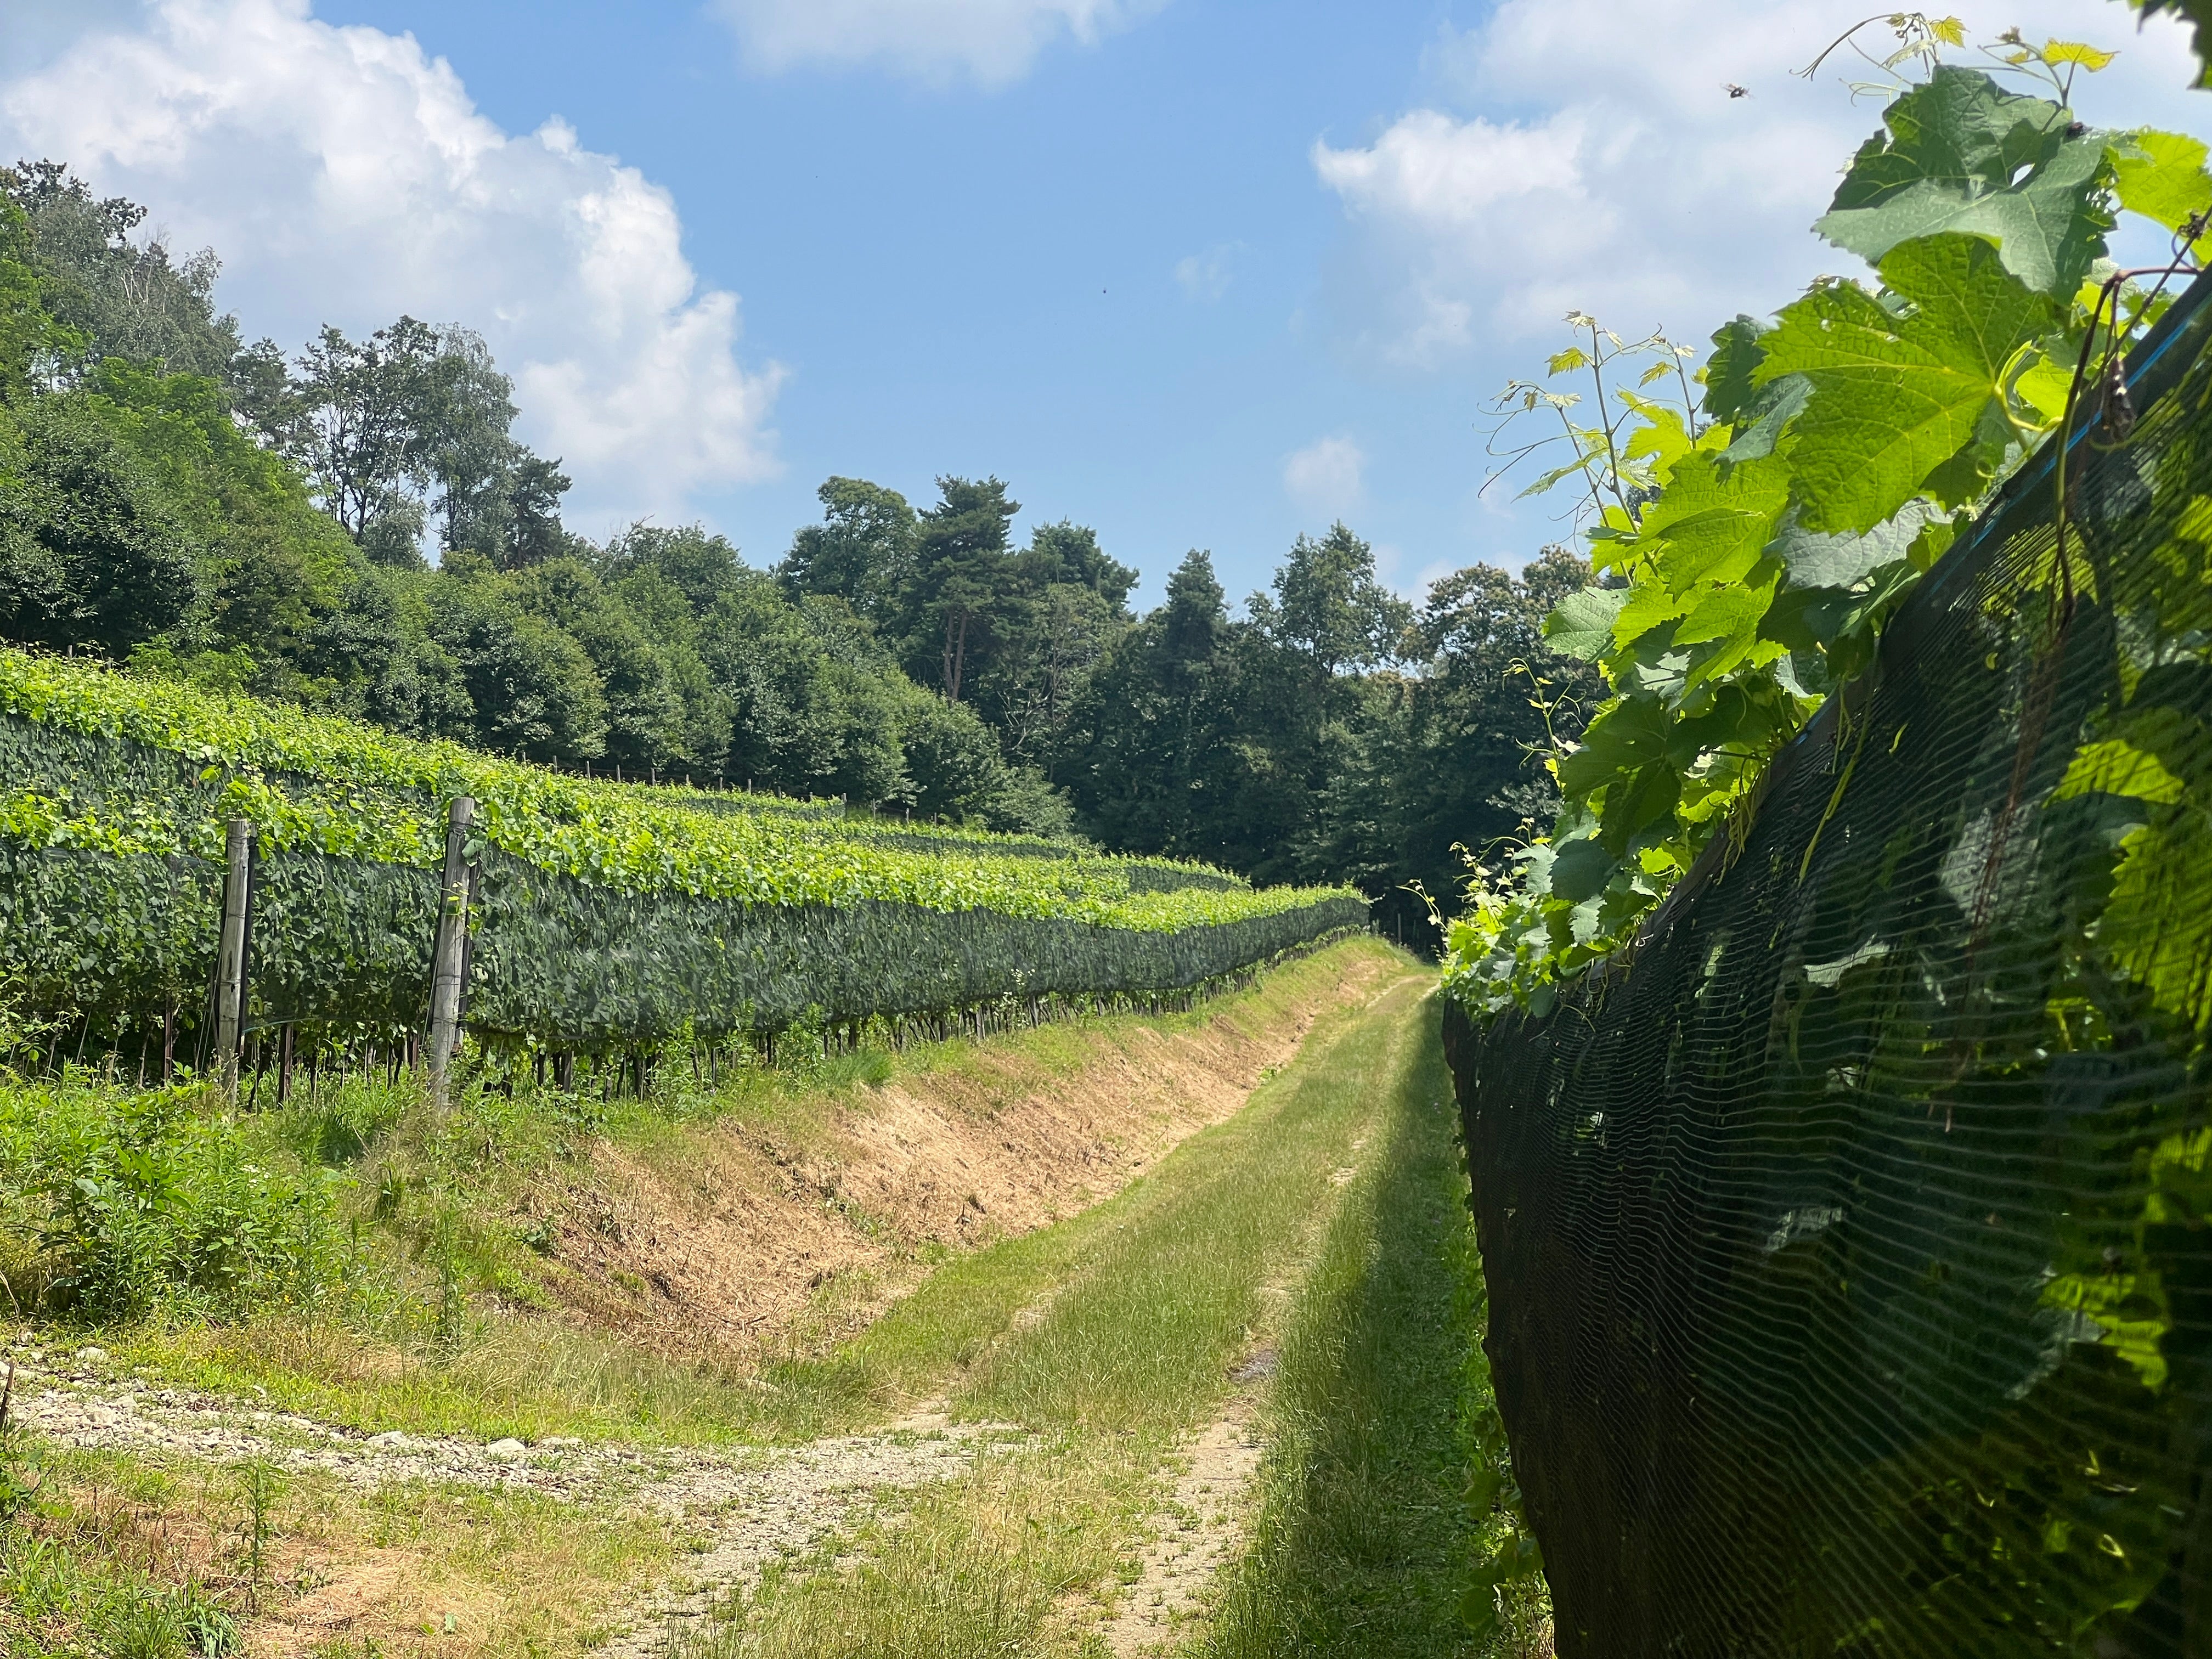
(1774, 406)
(1580, 870)
(1815, 560)
(2161, 175)
(1964, 155)
(1903, 403)
(1582, 626)
(1710, 528)
(1729, 384)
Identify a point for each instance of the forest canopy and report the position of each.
(352, 526)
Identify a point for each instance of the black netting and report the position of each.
(1849, 1247)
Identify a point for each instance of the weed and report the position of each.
(259, 1482)
(139, 1623)
(207, 1631)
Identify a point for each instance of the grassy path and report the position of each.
(1363, 1543)
(1336, 1184)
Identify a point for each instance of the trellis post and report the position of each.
(446, 954)
(231, 947)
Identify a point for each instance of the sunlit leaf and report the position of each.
(1582, 625)
(1964, 155)
(2162, 176)
(1896, 399)
(2074, 52)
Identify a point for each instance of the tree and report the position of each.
(1330, 607)
(91, 553)
(1456, 758)
(1061, 603)
(119, 298)
(1154, 751)
(862, 552)
(461, 408)
(698, 564)
(1068, 553)
(661, 713)
(816, 701)
(358, 429)
(532, 690)
(269, 564)
(533, 530)
(960, 576)
(31, 340)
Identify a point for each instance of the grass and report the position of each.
(120, 1557)
(1154, 1296)
(1108, 1335)
(416, 1299)
(1364, 1543)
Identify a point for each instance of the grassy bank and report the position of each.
(358, 1261)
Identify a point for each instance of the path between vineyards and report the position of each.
(1156, 1327)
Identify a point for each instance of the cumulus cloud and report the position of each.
(346, 176)
(1327, 478)
(990, 42)
(1206, 276)
(1587, 153)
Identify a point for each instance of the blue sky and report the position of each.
(1193, 272)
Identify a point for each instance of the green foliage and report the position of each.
(1908, 391)
(607, 913)
(1758, 557)
(1962, 153)
(147, 1198)
(91, 551)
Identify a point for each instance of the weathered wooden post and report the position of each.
(231, 947)
(446, 954)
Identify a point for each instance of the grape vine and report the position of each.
(1754, 533)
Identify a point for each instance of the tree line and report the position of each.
(354, 527)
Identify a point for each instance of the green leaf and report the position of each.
(1626, 737)
(1709, 528)
(1842, 560)
(1736, 352)
(1964, 155)
(1771, 409)
(1728, 620)
(2161, 175)
(1580, 870)
(1899, 401)
(2157, 926)
(2116, 767)
(1582, 626)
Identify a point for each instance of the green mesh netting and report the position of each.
(1850, 1245)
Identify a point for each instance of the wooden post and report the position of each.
(445, 953)
(231, 947)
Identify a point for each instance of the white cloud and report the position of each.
(346, 176)
(1206, 276)
(991, 42)
(1590, 155)
(1327, 478)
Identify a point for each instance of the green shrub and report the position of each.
(142, 1199)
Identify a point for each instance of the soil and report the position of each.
(741, 1237)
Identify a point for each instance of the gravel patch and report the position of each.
(754, 1505)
